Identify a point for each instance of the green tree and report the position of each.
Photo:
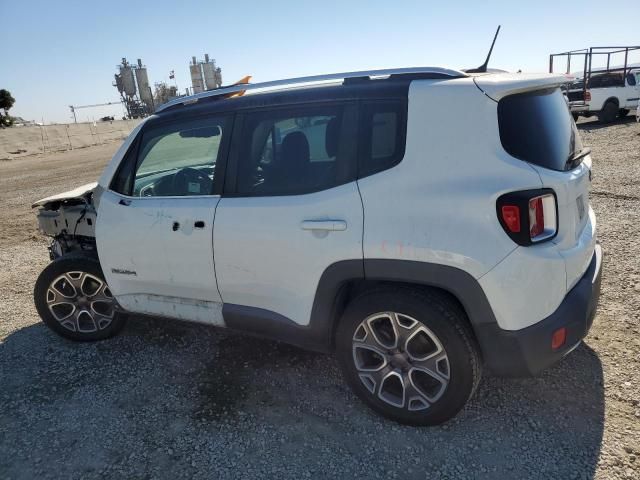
(6, 102)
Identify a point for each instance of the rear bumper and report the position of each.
(578, 106)
(528, 351)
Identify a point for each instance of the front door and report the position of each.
(154, 228)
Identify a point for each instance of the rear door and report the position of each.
(291, 208)
(155, 224)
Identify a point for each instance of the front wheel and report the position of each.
(409, 355)
(73, 299)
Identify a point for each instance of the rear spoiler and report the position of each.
(499, 85)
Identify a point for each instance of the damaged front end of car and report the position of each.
(69, 219)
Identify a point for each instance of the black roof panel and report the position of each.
(352, 90)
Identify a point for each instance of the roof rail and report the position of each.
(436, 71)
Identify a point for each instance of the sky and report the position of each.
(56, 54)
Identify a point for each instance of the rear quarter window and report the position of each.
(382, 135)
(537, 127)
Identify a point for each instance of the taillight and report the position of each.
(587, 96)
(528, 216)
(543, 222)
(511, 217)
(536, 217)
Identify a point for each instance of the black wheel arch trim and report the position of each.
(462, 285)
(331, 296)
(611, 100)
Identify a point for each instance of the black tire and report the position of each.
(575, 117)
(102, 322)
(608, 113)
(623, 112)
(445, 319)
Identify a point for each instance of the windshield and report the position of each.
(537, 127)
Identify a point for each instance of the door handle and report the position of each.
(124, 202)
(326, 225)
(198, 224)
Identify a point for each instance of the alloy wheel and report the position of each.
(400, 360)
(81, 302)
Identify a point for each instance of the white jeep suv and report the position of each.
(361, 216)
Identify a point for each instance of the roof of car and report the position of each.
(241, 88)
(325, 93)
(346, 86)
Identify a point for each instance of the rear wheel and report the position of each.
(608, 113)
(409, 355)
(73, 299)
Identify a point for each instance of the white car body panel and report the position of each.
(148, 264)
(576, 233)
(267, 258)
(178, 308)
(526, 287)
(415, 210)
(77, 193)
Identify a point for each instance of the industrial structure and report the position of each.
(204, 75)
(132, 83)
(164, 93)
(136, 95)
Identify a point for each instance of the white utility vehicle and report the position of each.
(609, 95)
(608, 92)
(357, 214)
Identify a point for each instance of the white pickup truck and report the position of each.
(608, 95)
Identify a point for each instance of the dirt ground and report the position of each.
(170, 400)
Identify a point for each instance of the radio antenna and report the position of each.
(483, 68)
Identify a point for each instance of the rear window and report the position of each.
(537, 127)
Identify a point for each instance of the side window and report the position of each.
(174, 160)
(605, 80)
(383, 127)
(291, 151)
(631, 79)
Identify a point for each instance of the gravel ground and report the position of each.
(171, 400)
